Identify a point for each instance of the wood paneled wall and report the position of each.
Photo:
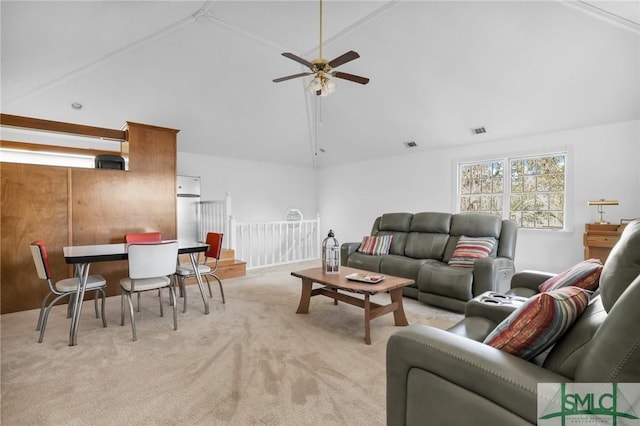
(34, 207)
(65, 206)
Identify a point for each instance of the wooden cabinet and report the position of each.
(600, 239)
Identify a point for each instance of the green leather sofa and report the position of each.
(422, 246)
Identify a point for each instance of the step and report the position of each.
(228, 266)
(228, 256)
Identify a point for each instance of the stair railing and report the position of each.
(263, 244)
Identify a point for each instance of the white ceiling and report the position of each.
(437, 70)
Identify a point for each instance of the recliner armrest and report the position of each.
(346, 250)
(495, 386)
(496, 313)
(492, 274)
(530, 279)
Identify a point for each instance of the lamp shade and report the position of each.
(315, 85)
(603, 202)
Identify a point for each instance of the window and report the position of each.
(532, 193)
(61, 146)
(46, 158)
(482, 187)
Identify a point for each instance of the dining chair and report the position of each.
(214, 240)
(62, 288)
(151, 267)
(143, 237)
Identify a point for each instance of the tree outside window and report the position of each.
(534, 188)
(482, 187)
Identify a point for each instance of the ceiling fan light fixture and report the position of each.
(315, 85)
(331, 86)
(321, 84)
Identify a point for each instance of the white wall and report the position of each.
(259, 191)
(602, 163)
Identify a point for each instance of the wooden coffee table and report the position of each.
(334, 284)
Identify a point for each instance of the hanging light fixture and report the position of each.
(321, 84)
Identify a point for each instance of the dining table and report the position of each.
(82, 256)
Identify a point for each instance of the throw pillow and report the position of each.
(585, 274)
(468, 249)
(539, 322)
(376, 245)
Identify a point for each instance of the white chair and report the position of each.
(214, 239)
(62, 288)
(151, 267)
(143, 237)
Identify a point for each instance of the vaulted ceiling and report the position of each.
(437, 70)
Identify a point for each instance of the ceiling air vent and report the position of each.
(410, 144)
(479, 130)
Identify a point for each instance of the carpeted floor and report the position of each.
(251, 361)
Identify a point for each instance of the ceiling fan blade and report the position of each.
(343, 59)
(289, 77)
(298, 59)
(350, 77)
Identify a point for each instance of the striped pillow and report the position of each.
(585, 274)
(539, 322)
(376, 245)
(468, 249)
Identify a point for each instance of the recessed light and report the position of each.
(76, 105)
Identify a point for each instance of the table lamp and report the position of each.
(602, 202)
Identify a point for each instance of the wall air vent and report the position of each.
(479, 130)
(410, 144)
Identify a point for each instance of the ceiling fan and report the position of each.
(321, 84)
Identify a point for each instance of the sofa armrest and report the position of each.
(346, 250)
(530, 279)
(449, 379)
(495, 313)
(492, 274)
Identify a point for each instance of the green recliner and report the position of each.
(445, 377)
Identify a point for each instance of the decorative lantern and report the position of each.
(330, 254)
